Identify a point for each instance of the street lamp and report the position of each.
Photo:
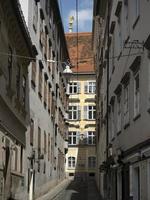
(67, 71)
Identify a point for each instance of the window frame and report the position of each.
(91, 137)
(71, 162)
(91, 162)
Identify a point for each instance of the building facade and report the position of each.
(124, 59)
(15, 46)
(81, 159)
(46, 135)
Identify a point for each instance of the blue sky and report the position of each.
(85, 13)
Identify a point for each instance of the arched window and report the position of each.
(71, 161)
(92, 162)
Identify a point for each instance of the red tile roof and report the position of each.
(85, 54)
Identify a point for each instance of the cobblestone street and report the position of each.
(79, 190)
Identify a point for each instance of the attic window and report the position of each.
(118, 8)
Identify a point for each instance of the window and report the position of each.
(49, 99)
(90, 112)
(74, 112)
(74, 88)
(18, 82)
(72, 138)
(118, 113)
(35, 16)
(136, 95)
(41, 33)
(23, 91)
(49, 145)
(136, 183)
(71, 162)
(39, 141)
(90, 87)
(33, 76)
(126, 104)
(91, 137)
(40, 81)
(31, 132)
(45, 142)
(15, 159)
(10, 62)
(91, 162)
(136, 10)
(45, 89)
(112, 121)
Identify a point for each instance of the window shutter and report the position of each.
(79, 112)
(78, 137)
(86, 88)
(79, 88)
(85, 112)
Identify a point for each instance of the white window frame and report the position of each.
(75, 109)
(73, 135)
(136, 95)
(90, 87)
(74, 88)
(91, 137)
(72, 161)
(87, 111)
(91, 162)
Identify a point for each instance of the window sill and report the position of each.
(126, 125)
(136, 117)
(136, 21)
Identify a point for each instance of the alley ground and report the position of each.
(79, 190)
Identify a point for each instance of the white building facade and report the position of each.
(45, 138)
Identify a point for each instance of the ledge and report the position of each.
(126, 125)
(136, 117)
(118, 133)
(136, 21)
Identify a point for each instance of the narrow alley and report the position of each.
(78, 190)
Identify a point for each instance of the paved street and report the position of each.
(79, 190)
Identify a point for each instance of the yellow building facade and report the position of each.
(81, 159)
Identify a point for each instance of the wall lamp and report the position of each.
(67, 70)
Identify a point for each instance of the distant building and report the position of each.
(124, 103)
(15, 46)
(81, 159)
(46, 135)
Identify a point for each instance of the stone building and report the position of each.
(81, 159)
(124, 105)
(15, 46)
(46, 135)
